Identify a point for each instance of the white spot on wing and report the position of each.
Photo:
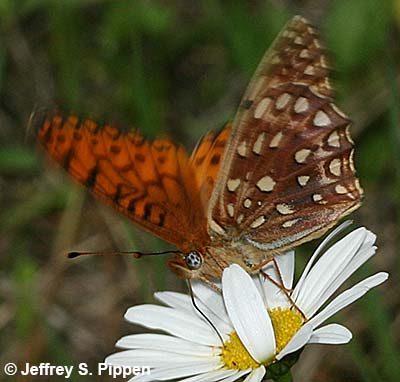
(242, 149)
(285, 209)
(321, 119)
(258, 143)
(258, 222)
(322, 60)
(335, 166)
(262, 107)
(301, 105)
(334, 139)
(303, 180)
(290, 223)
(351, 196)
(301, 155)
(266, 184)
(310, 70)
(299, 40)
(282, 101)
(341, 189)
(317, 198)
(247, 203)
(231, 209)
(304, 54)
(276, 140)
(233, 184)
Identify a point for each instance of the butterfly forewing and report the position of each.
(150, 182)
(288, 171)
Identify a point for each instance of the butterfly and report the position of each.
(282, 173)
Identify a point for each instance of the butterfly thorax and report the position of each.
(236, 252)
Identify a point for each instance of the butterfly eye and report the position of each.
(193, 260)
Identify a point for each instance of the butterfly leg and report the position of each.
(279, 283)
(210, 284)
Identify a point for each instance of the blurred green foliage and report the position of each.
(176, 68)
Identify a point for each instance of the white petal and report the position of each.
(273, 294)
(173, 321)
(297, 341)
(348, 297)
(223, 329)
(175, 300)
(185, 303)
(247, 312)
(258, 283)
(370, 239)
(175, 371)
(166, 343)
(330, 265)
(317, 252)
(211, 298)
(236, 376)
(256, 375)
(359, 259)
(331, 334)
(215, 375)
(154, 358)
(286, 265)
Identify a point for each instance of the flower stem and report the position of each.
(280, 371)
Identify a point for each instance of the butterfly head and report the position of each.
(193, 260)
(187, 265)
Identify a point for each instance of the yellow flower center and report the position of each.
(286, 323)
(235, 355)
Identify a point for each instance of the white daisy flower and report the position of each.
(258, 324)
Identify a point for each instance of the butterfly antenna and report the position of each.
(202, 313)
(72, 255)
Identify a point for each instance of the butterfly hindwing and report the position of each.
(206, 159)
(288, 171)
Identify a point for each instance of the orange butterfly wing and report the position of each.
(206, 159)
(151, 182)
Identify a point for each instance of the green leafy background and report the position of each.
(177, 68)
